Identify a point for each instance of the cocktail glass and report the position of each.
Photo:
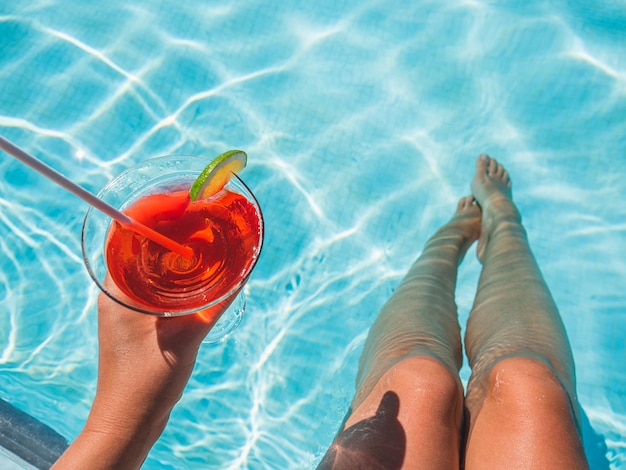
(224, 230)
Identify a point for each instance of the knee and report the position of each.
(525, 382)
(424, 385)
(430, 384)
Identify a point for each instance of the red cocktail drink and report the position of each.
(224, 232)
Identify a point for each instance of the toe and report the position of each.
(505, 177)
(482, 163)
(466, 202)
(493, 167)
(499, 170)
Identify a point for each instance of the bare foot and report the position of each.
(467, 221)
(491, 187)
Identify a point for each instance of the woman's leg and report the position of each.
(408, 406)
(521, 398)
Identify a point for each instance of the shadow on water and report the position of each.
(595, 445)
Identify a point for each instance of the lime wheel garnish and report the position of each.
(217, 174)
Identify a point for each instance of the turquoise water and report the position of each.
(362, 121)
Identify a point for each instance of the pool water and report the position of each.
(362, 121)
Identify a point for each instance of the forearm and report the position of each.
(111, 440)
(127, 417)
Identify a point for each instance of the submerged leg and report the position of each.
(521, 397)
(408, 406)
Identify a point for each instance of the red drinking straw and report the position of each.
(94, 201)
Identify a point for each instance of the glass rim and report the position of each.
(247, 192)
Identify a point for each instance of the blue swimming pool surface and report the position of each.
(362, 121)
